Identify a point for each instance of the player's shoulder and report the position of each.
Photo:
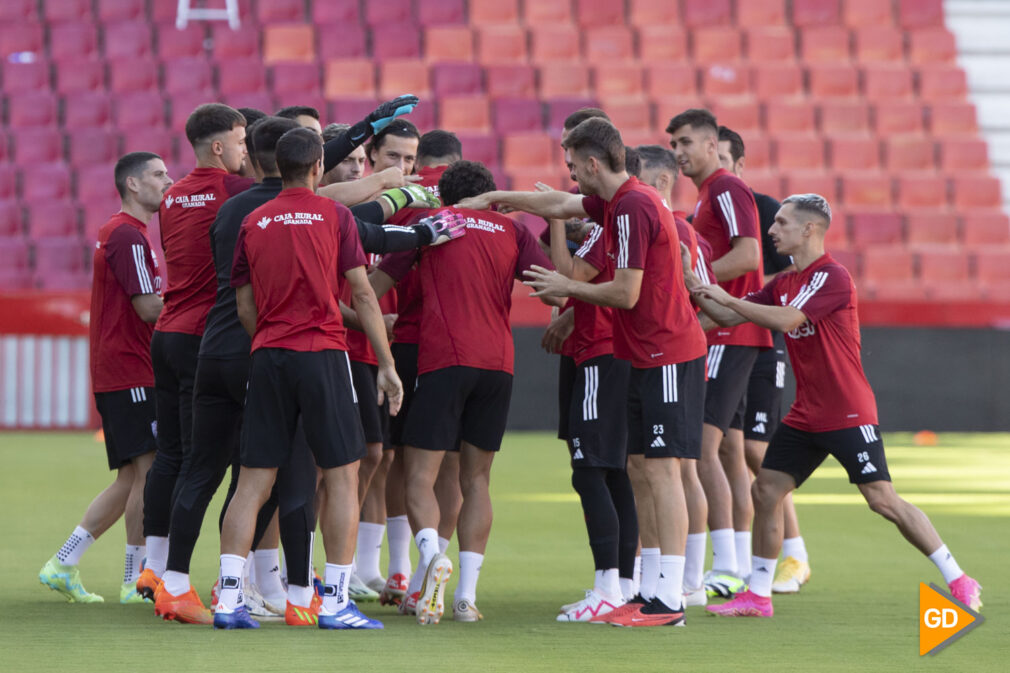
(640, 199)
(121, 228)
(726, 181)
(835, 269)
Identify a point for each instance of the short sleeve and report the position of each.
(350, 253)
(398, 264)
(765, 295)
(635, 221)
(128, 255)
(529, 252)
(735, 209)
(828, 290)
(240, 263)
(594, 250)
(594, 207)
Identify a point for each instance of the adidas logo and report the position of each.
(578, 455)
(762, 569)
(869, 469)
(658, 443)
(759, 428)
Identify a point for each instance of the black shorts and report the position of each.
(128, 421)
(374, 418)
(173, 358)
(405, 360)
(728, 369)
(459, 404)
(566, 387)
(665, 410)
(598, 424)
(286, 385)
(764, 396)
(798, 453)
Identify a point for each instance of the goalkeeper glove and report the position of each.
(390, 110)
(410, 196)
(444, 226)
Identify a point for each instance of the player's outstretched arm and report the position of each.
(337, 149)
(245, 304)
(622, 292)
(370, 317)
(554, 204)
(359, 191)
(728, 310)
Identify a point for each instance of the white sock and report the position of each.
(131, 565)
(369, 548)
(469, 571)
(176, 583)
(414, 586)
(793, 546)
(636, 575)
(443, 544)
(606, 583)
(73, 549)
(284, 571)
(762, 576)
(742, 540)
(229, 593)
(650, 572)
(944, 560)
(157, 554)
(427, 547)
(627, 585)
(694, 561)
(335, 595)
(398, 536)
(723, 551)
(300, 596)
(250, 569)
(670, 587)
(268, 572)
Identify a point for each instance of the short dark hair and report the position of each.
(632, 162)
(401, 128)
(334, 131)
(464, 179)
(696, 118)
(438, 144)
(131, 165)
(251, 114)
(265, 133)
(295, 111)
(210, 119)
(657, 156)
(579, 116)
(298, 150)
(598, 138)
(736, 148)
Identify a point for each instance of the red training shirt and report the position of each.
(294, 250)
(124, 266)
(359, 348)
(593, 335)
(186, 213)
(832, 392)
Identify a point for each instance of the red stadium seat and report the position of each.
(180, 107)
(397, 77)
(44, 182)
(790, 116)
(159, 140)
(629, 116)
(54, 11)
(187, 43)
(591, 13)
(931, 227)
(662, 43)
(456, 78)
(501, 44)
(932, 45)
(833, 80)
(963, 154)
(559, 108)
(22, 77)
(257, 100)
(342, 41)
(440, 12)
(497, 12)
(73, 42)
(762, 182)
(760, 13)
(886, 263)
(859, 189)
(777, 80)
(559, 80)
(884, 81)
(759, 151)
(604, 44)
(985, 228)
(470, 113)
(448, 43)
(664, 79)
(798, 151)
(942, 83)
(826, 44)
(117, 10)
(80, 77)
(909, 153)
(729, 79)
(743, 115)
(706, 12)
(8, 182)
(482, 148)
(289, 44)
(618, 79)
(992, 265)
(62, 256)
(976, 192)
(844, 117)
(394, 11)
(897, 117)
(295, 79)
(38, 146)
(337, 11)
(816, 12)
(401, 40)
(244, 76)
(872, 228)
(816, 182)
(530, 150)
(11, 220)
(770, 43)
(858, 13)
(21, 36)
(879, 43)
(353, 78)
(15, 253)
(189, 76)
(31, 109)
(918, 190)
(350, 110)
(133, 75)
(842, 255)
(526, 178)
(948, 118)
(942, 263)
(235, 44)
(716, 44)
(552, 43)
(544, 12)
(52, 220)
(653, 12)
(515, 115)
(92, 146)
(510, 81)
(126, 40)
(282, 11)
(917, 13)
(139, 111)
(853, 152)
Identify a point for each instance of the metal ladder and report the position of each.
(185, 13)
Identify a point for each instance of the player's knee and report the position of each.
(765, 494)
(883, 504)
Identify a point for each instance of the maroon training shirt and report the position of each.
(594, 325)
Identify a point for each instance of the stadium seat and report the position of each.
(715, 44)
(95, 213)
(992, 265)
(92, 146)
(116, 10)
(530, 150)
(644, 13)
(879, 43)
(423, 116)
(289, 44)
(706, 12)
(872, 228)
(392, 11)
(857, 13)
(342, 41)
(158, 140)
(257, 100)
(826, 44)
(798, 151)
(30, 109)
(760, 13)
(948, 118)
(353, 78)
(133, 75)
(545, 12)
(930, 227)
(80, 77)
(282, 11)
(95, 183)
(897, 117)
(941, 82)
(917, 13)
(770, 43)
(816, 12)
(909, 153)
(245, 76)
(853, 152)
(60, 256)
(126, 40)
(45, 182)
(942, 263)
(814, 182)
(338, 11)
(931, 45)
(397, 77)
(885, 263)
(501, 44)
(440, 12)
(591, 13)
(742, 114)
(790, 116)
(604, 44)
(496, 12)
(480, 147)
(758, 147)
(549, 44)
(21, 36)
(189, 76)
(975, 191)
(513, 115)
(350, 110)
(180, 107)
(862, 189)
(139, 111)
(629, 116)
(295, 79)
(559, 108)
(456, 78)
(560, 80)
(889, 82)
(11, 220)
(470, 113)
(777, 80)
(664, 79)
(53, 11)
(765, 182)
(187, 43)
(448, 43)
(510, 81)
(842, 255)
(662, 43)
(401, 40)
(832, 80)
(618, 79)
(985, 228)
(37, 146)
(241, 43)
(73, 42)
(8, 181)
(963, 154)
(52, 220)
(23, 77)
(730, 79)
(15, 253)
(918, 190)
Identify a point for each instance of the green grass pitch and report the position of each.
(858, 613)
